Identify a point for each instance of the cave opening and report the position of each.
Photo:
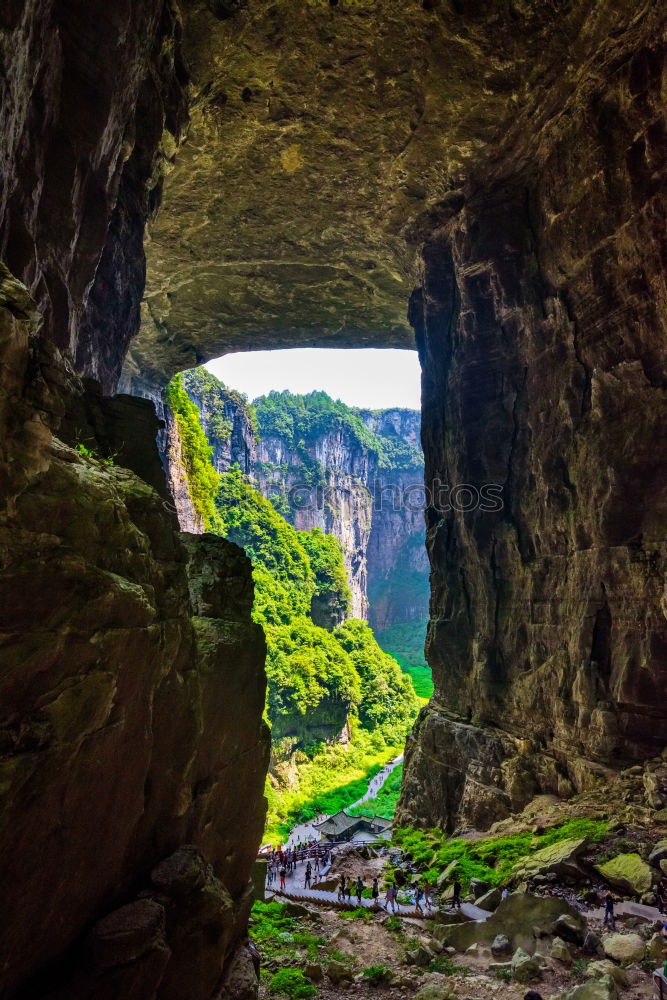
(311, 459)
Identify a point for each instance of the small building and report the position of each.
(342, 827)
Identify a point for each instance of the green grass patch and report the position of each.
(491, 859)
(291, 983)
(384, 803)
(359, 913)
(277, 934)
(376, 974)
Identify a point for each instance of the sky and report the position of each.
(369, 378)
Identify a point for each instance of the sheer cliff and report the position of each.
(540, 324)
(356, 475)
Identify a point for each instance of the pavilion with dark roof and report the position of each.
(343, 827)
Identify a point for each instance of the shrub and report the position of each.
(291, 983)
(376, 974)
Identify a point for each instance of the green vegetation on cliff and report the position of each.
(326, 560)
(219, 401)
(387, 695)
(299, 420)
(202, 479)
(384, 803)
(321, 684)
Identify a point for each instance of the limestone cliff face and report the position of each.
(132, 749)
(541, 329)
(396, 556)
(334, 482)
(335, 499)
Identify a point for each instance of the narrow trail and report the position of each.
(303, 833)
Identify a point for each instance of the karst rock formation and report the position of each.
(184, 179)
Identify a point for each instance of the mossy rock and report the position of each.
(627, 873)
(600, 989)
(560, 858)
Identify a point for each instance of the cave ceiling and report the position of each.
(324, 141)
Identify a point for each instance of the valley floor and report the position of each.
(557, 860)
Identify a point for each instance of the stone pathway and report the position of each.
(295, 890)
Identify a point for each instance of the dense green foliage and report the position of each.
(491, 859)
(300, 420)
(202, 479)
(326, 560)
(291, 983)
(384, 803)
(387, 695)
(405, 642)
(276, 933)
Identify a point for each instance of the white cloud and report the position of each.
(375, 379)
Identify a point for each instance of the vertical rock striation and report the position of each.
(93, 106)
(541, 328)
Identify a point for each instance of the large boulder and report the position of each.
(603, 967)
(436, 991)
(656, 948)
(659, 853)
(559, 859)
(421, 956)
(338, 973)
(525, 967)
(624, 948)
(596, 989)
(129, 933)
(560, 951)
(627, 873)
(571, 927)
(501, 945)
(490, 900)
(516, 917)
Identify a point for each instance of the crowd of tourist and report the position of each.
(283, 862)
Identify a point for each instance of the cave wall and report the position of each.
(541, 324)
(132, 747)
(93, 105)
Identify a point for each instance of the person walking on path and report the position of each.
(375, 892)
(341, 888)
(456, 898)
(348, 889)
(360, 889)
(428, 895)
(609, 917)
(309, 872)
(419, 892)
(283, 873)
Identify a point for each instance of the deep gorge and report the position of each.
(486, 180)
